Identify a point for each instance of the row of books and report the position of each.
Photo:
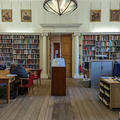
(88, 58)
(27, 46)
(115, 43)
(88, 47)
(6, 41)
(88, 53)
(19, 36)
(22, 51)
(102, 49)
(101, 43)
(6, 50)
(115, 55)
(96, 37)
(25, 36)
(6, 59)
(5, 36)
(114, 37)
(5, 45)
(26, 56)
(88, 42)
(26, 41)
(89, 37)
(23, 61)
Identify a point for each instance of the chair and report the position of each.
(37, 76)
(29, 84)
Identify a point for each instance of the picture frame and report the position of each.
(114, 15)
(26, 15)
(6, 15)
(95, 15)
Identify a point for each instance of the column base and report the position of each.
(78, 77)
(44, 76)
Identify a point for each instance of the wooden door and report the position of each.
(56, 50)
(66, 52)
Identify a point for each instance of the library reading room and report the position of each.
(59, 59)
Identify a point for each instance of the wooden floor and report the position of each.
(79, 104)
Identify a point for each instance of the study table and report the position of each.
(7, 79)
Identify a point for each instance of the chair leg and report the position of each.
(32, 90)
(37, 83)
(28, 91)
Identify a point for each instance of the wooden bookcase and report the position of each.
(109, 90)
(23, 49)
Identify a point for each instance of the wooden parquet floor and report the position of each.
(79, 104)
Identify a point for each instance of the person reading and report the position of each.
(21, 73)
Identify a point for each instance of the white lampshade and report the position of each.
(60, 7)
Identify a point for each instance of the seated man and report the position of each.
(2, 67)
(21, 73)
(19, 70)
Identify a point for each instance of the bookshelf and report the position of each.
(109, 92)
(23, 49)
(88, 47)
(101, 47)
(6, 49)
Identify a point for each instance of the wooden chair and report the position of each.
(37, 76)
(29, 84)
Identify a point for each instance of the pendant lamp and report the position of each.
(60, 7)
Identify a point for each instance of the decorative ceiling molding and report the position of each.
(61, 27)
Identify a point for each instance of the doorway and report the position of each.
(66, 52)
(61, 46)
(56, 53)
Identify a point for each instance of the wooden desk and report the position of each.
(27, 70)
(7, 80)
(109, 92)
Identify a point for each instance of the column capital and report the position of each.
(44, 34)
(76, 33)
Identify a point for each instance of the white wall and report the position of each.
(40, 16)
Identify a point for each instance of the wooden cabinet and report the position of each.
(58, 86)
(109, 92)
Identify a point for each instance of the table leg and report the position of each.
(8, 92)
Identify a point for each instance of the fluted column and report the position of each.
(44, 55)
(76, 55)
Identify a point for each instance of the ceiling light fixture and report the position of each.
(60, 7)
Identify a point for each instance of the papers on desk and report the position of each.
(11, 75)
(105, 77)
(118, 80)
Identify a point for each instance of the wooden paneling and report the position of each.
(58, 84)
(66, 51)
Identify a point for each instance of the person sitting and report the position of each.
(19, 70)
(2, 67)
(21, 73)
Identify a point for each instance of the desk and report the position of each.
(4, 78)
(27, 70)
